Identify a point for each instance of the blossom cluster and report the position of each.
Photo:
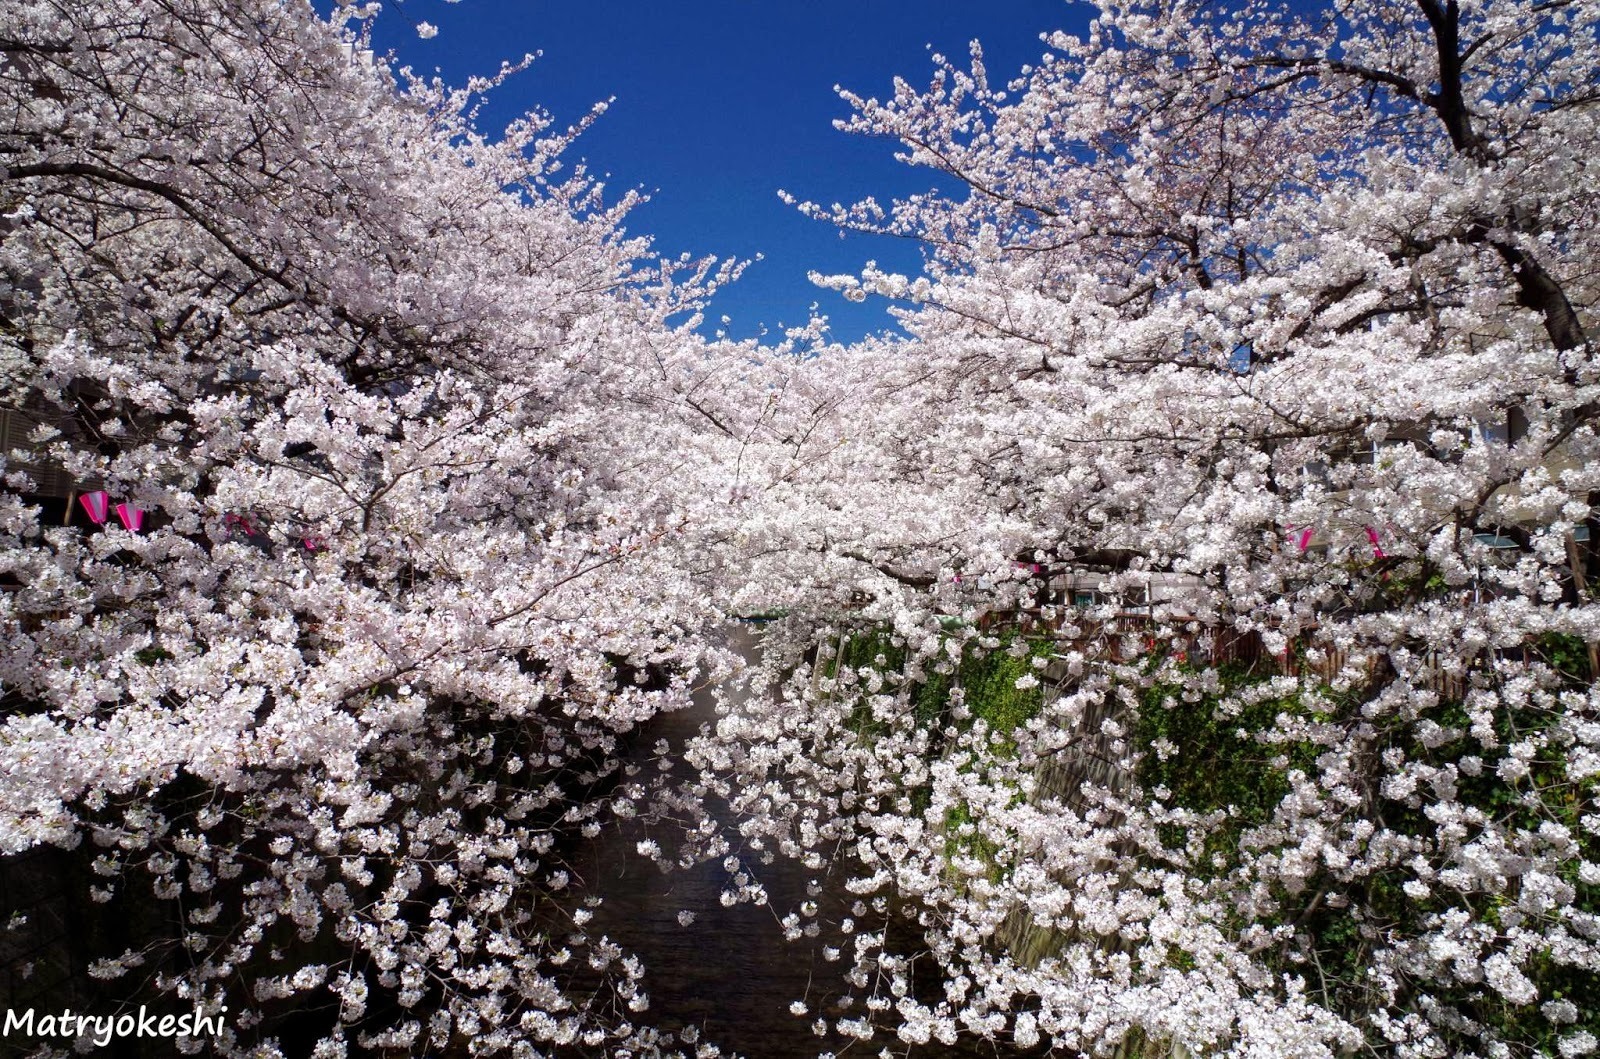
(1183, 637)
(1252, 392)
(381, 386)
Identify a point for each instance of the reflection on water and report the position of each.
(729, 976)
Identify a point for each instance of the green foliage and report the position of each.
(867, 650)
(1216, 763)
(929, 699)
(1220, 765)
(962, 837)
(1544, 795)
(149, 656)
(862, 647)
(1566, 654)
(989, 679)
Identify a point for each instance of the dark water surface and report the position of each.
(730, 975)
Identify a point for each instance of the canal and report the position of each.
(727, 977)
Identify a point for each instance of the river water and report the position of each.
(729, 978)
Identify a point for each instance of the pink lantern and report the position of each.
(314, 544)
(1372, 535)
(97, 505)
(1302, 539)
(132, 518)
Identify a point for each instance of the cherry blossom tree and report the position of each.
(1182, 640)
(405, 439)
(1271, 331)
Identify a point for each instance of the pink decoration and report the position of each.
(1302, 539)
(96, 505)
(314, 544)
(1377, 549)
(230, 519)
(132, 518)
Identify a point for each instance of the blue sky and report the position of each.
(719, 103)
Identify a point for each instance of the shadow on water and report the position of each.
(729, 977)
